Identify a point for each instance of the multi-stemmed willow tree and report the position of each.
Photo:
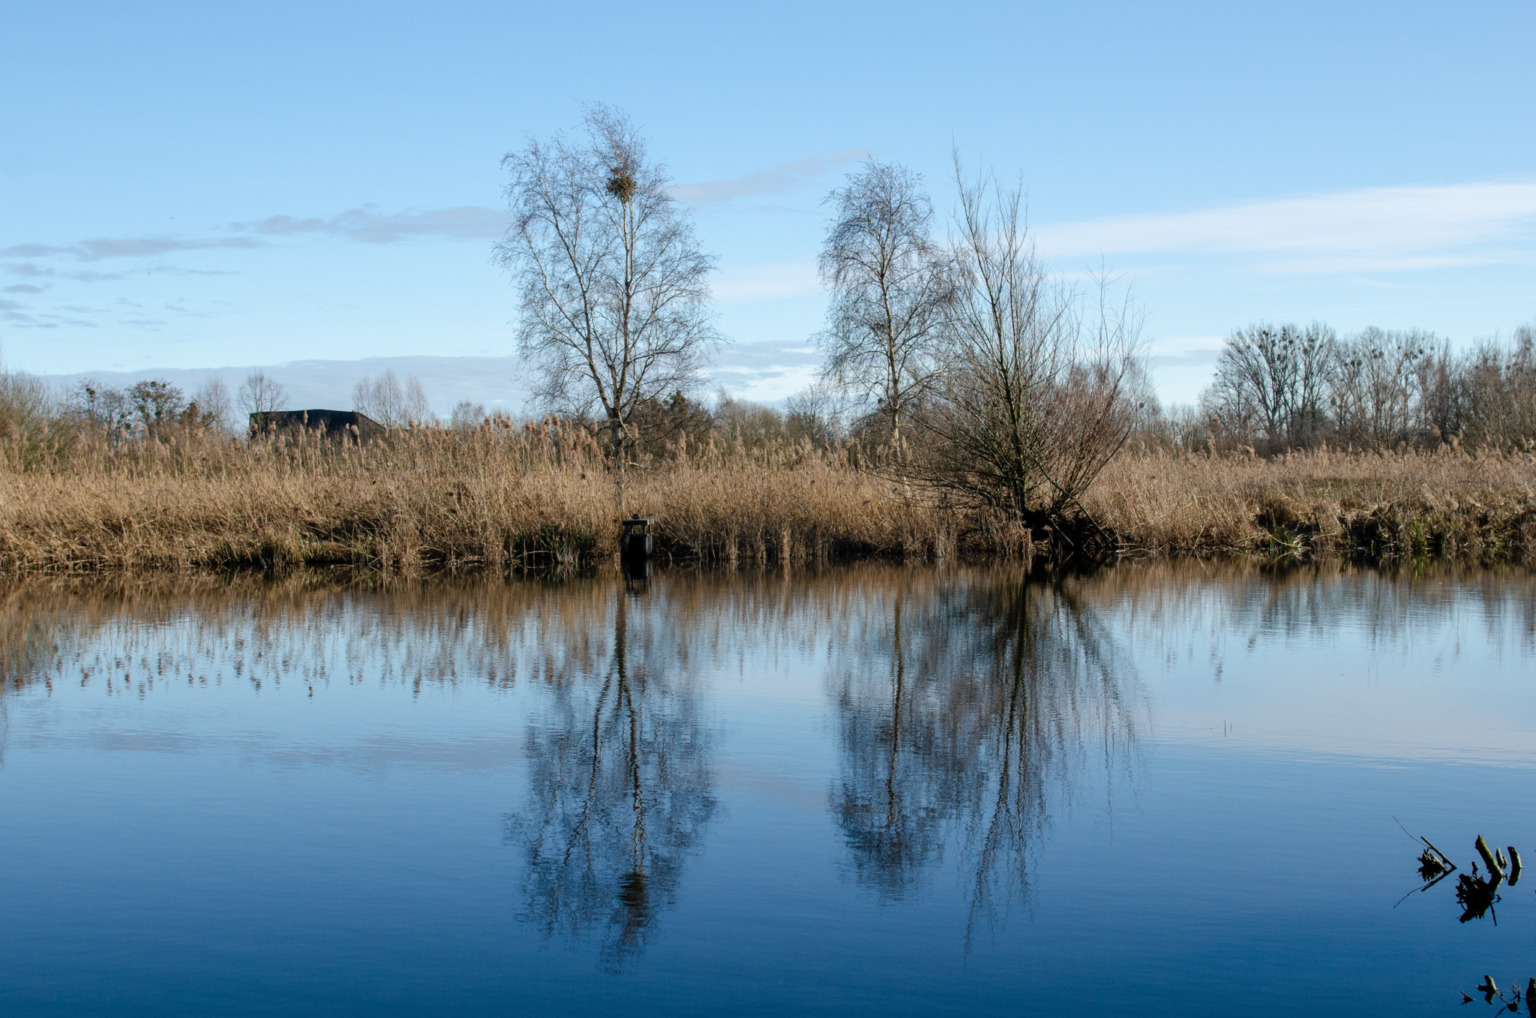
(614, 291)
(1036, 395)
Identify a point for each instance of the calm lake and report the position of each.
(1161, 789)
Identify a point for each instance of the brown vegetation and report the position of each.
(508, 497)
(430, 499)
(1449, 503)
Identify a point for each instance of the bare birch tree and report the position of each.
(889, 288)
(613, 285)
(212, 402)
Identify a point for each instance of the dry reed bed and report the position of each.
(1449, 503)
(436, 500)
(519, 498)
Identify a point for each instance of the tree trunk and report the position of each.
(900, 449)
(616, 433)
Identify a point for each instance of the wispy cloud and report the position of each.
(177, 270)
(766, 356)
(1369, 229)
(366, 224)
(769, 280)
(16, 313)
(31, 270)
(125, 247)
(1186, 358)
(781, 178)
(369, 226)
(36, 263)
(1380, 262)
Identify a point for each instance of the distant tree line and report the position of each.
(157, 408)
(1280, 387)
(149, 407)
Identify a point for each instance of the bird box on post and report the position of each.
(635, 543)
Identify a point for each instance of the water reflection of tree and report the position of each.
(962, 712)
(902, 767)
(620, 791)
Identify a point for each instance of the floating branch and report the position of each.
(1489, 859)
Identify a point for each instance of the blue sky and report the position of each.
(188, 186)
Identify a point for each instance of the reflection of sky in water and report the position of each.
(1159, 790)
(1361, 666)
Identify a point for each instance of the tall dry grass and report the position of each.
(505, 497)
(1448, 503)
(433, 499)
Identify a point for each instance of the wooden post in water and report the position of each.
(635, 541)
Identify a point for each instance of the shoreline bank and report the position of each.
(427, 507)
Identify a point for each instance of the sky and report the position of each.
(317, 188)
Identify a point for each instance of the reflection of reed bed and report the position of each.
(482, 628)
(502, 498)
(1407, 608)
(306, 626)
(439, 630)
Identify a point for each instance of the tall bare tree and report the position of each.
(1376, 390)
(889, 288)
(1272, 382)
(211, 401)
(156, 403)
(26, 407)
(614, 286)
(1498, 389)
(390, 402)
(1034, 399)
(260, 394)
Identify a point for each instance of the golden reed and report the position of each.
(535, 496)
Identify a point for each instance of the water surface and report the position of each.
(1158, 790)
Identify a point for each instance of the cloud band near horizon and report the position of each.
(1399, 228)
